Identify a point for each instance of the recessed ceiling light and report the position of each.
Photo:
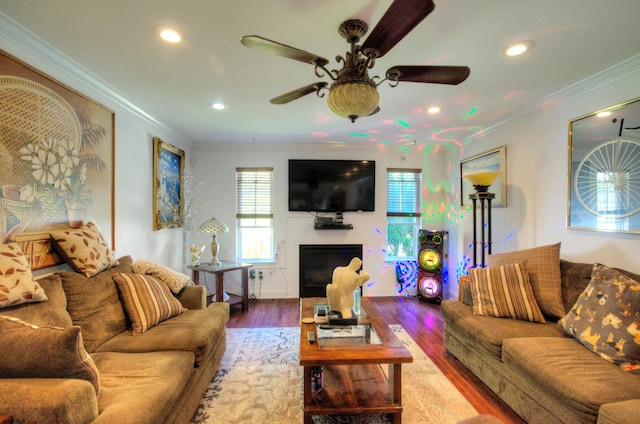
(168, 34)
(520, 47)
(434, 109)
(218, 106)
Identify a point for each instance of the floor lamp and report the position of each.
(481, 182)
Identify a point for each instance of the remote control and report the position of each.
(311, 337)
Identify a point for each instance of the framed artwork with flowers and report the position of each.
(56, 161)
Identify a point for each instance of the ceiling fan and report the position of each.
(353, 94)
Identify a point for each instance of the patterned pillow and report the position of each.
(175, 280)
(84, 249)
(504, 291)
(605, 318)
(146, 301)
(543, 267)
(16, 281)
(31, 351)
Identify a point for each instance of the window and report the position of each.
(254, 214)
(403, 213)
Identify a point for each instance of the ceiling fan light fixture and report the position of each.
(353, 99)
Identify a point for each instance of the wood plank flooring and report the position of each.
(423, 321)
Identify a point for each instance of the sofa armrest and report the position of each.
(193, 297)
(48, 400)
(627, 411)
(464, 290)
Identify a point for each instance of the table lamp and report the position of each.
(213, 226)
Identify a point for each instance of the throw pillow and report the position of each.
(504, 291)
(605, 318)
(16, 281)
(175, 280)
(146, 301)
(31, 351)
(84, 249)
(543, 267)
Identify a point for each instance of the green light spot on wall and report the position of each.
(471, 112)
(357, 135)
(436, 131)
(403, 123)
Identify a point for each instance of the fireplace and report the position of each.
(317, 262)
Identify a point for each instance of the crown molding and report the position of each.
(17, 40)
(603, 78)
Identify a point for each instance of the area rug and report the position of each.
(260, 381)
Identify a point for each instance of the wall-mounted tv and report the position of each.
(331, 185)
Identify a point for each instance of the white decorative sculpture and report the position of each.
(344, 281)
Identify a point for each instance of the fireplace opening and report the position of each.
(317, 262)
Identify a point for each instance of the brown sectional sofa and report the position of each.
(543, 374)
(158, 376)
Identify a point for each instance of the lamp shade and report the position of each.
(353, 99)
(213, 225)
(482, 179)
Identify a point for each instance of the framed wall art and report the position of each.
(604, 170)
(56, 161)
(491, 161)
(168, 192)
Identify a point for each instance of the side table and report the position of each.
(219, 271)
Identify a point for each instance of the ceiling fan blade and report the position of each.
(399, 19)
(273, 47)
(297, 93)
(452, 75)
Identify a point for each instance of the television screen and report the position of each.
(331, 185)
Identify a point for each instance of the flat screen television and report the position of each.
(331, 185)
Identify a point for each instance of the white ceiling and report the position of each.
(114, 40)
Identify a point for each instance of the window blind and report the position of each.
(403, 192)
(254, 188)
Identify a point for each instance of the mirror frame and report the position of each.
(607, 137)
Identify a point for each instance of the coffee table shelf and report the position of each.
(355, 380)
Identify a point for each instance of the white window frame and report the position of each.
(404, 200)
(254, 215)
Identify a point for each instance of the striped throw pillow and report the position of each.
(147, 301)
(504, 291)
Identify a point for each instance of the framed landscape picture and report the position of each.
(491, 161)
(168, 192)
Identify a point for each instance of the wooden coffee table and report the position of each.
(354, 380)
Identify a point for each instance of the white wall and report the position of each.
(134, 132)
(537, 175)
(214, 166)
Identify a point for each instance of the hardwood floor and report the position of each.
(423, 321)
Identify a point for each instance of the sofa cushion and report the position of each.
(51, 313)
(566, 371)
(94, 305)
(146, 301)
(543, 266)
(605, 318)
(84, 249)
(175, 280)
(196, 331)
(16, 281)
(141, 388)
(32, 351)
(504, 291)
(486, 334)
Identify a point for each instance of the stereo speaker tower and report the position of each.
(432, 264)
